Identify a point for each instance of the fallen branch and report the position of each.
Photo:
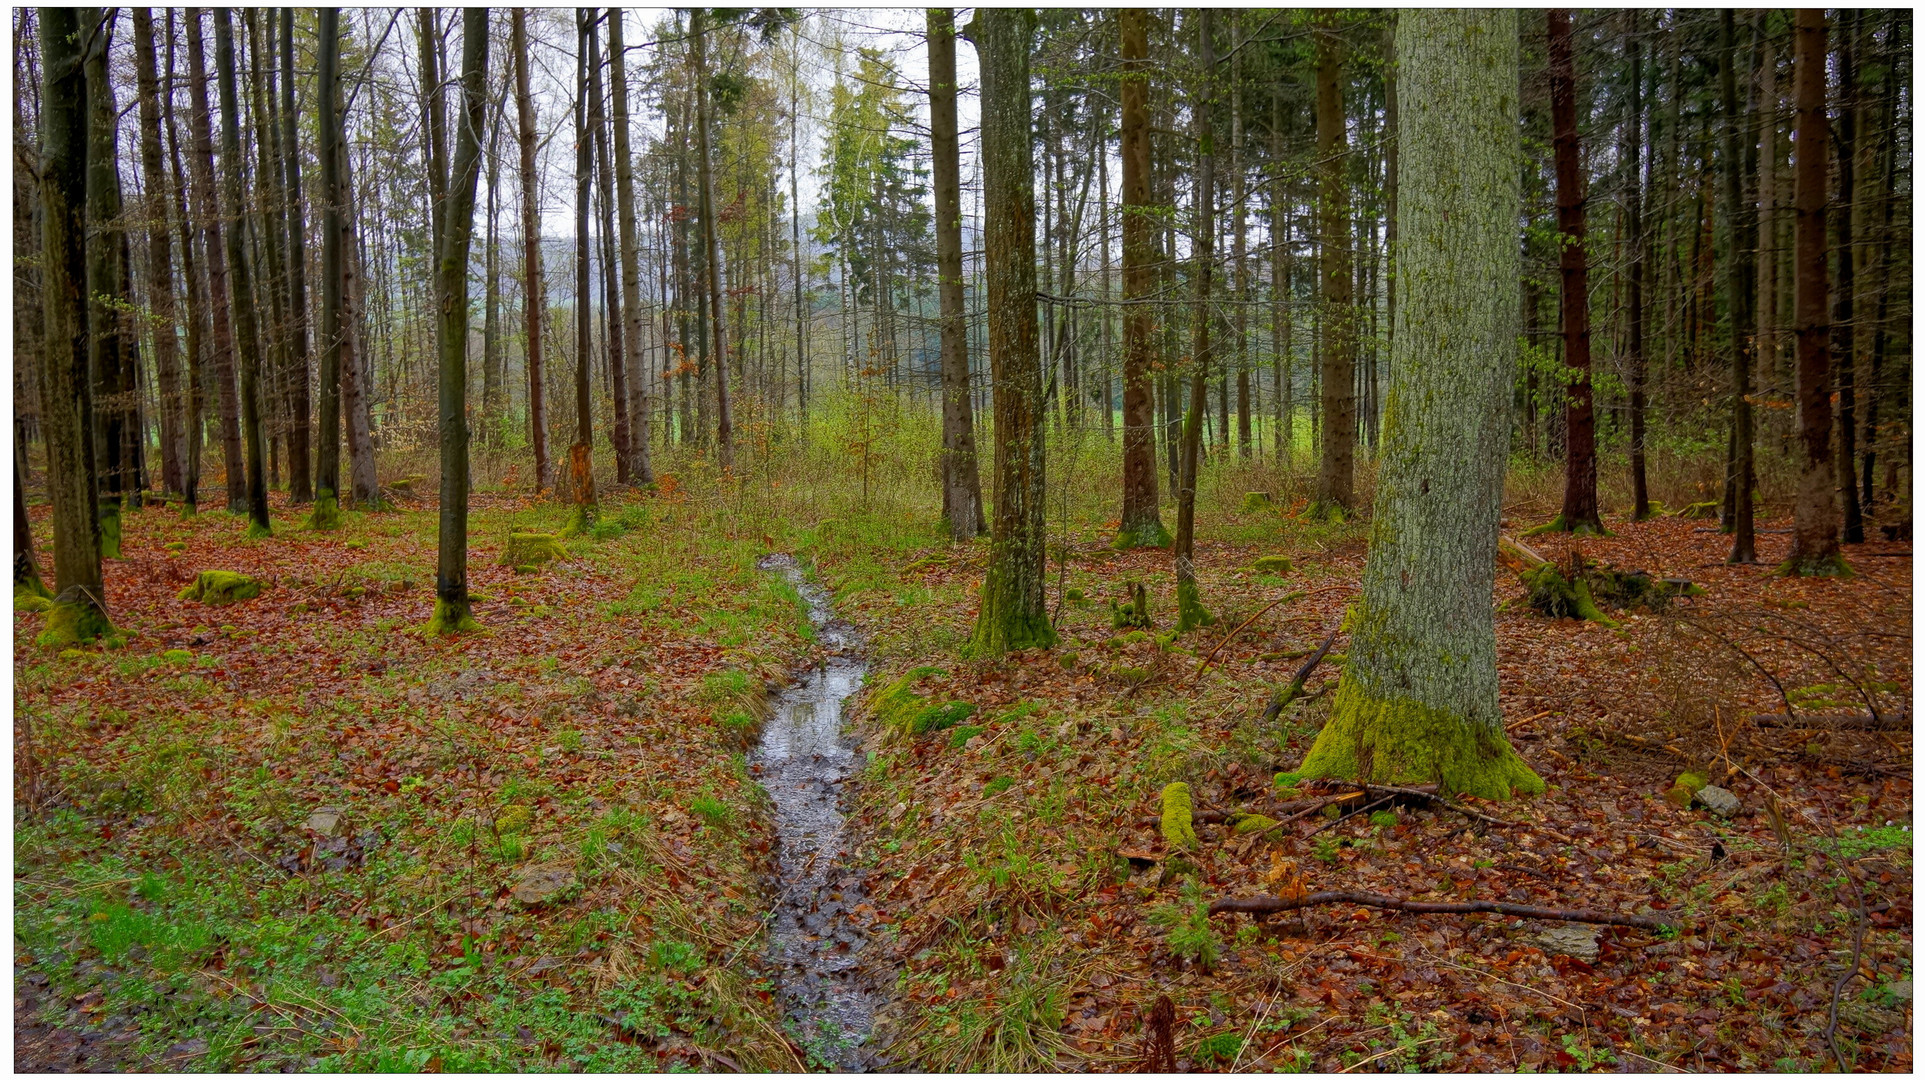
(1834, 721)
(1263, 905)
(1282, 701)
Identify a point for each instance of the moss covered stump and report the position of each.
(73, 619)
(528, 551)
(218, 587)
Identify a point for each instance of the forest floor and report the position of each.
(291, 833)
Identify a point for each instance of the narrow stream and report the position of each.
(802, 761)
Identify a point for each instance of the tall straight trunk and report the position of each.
(300, 487)
(1740, 291)
(1338, 364)
(214, 250)
(640, 468)
(247, 333)
(1768, 261)
(160, 252)
(434, 125)
(334, 326)
(580, 462)
(451, 606)
(1240, 242)
(1888, 200)
(109, 336)
(1011, 615)
(711, 240)
(1283, 366)
(1418, 699)
(534, 292)
(1634, 224)
(1142, 524)
(194, 414)
(66, 392)
(26, 567)
(795, 250)
(613, 320)
(1580, 512)
(491, 345)
(357, 389)
(1107, 318)
(1844, 297)
(1190, 610)
(271, 229)
(962, 499)
(1814, 535)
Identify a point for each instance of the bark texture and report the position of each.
(1336, 475)
(534, 292)
(247, 330)
(962, 492)
(1142, 525)
(1580, 512)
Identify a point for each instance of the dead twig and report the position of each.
(1267, 904)
(1282, 701)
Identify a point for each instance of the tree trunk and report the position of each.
(1142, 524)
(1814, 536)
(491, 344)
(160, 253)
(1418, 700)
(452, 612)
(1283, 370)
(26, 568)
(300, 486)
(1881, 336)
(334, 326)
(270, 224)
(1240, 240)
(1338, 363)
(1844, 297)
(193, 419)
(1580, 514)
(641, 469)
(66, 392)
(614, 323)
(1634, 224)
(962, 498)
(1012, 614)
(110, 339)
(247, 334)
(580, 463)
(534, 292)
(1740, 291)
(1190, 610)
(711, 241)
(215, 252)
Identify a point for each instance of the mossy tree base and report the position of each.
(1190, 612)
(326, 513)
(1144, 534)
(450, 618)
(1558, 524)
(73, 620)
(1831, 566)
(1009, 632)
(1405, 743)
(258, 531)
(188, 511)
(1325, 513)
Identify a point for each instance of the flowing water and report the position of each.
(803, 760)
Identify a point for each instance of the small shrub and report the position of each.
(1190, 937)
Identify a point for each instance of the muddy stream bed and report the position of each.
(803, 760)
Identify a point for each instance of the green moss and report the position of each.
(450, 619)
(898, 705)
(1178, 829)
(1272, 564)
(1190, 612)
(1136, 613)
(531, 550)
(177, 546)
(110, 529)
(1246, 824)
(188, 511)
(177, 656)
(1148, 534)
(962, 733)
(1255, 502)
(71, 622)
(258, 530)
(327, 511)
(1409, 743)
(1698, 510)
(940, 717)
(217, 587)
(26, 601)
(514, 819)
(1326, 512)
(1831, 566)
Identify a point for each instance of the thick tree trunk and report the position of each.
(300, 485)
(1142, 524)
(711, 242)
(641, 468)
(1418, 701)
(1844, 297)
(270, 227)
(451, 606)
(334, 327)
(160, 253)
(1190, 610)
(66, 392)
(110, 338)
(1012, 614)
(214, 250)
(247, 332)
(1814, 536)
(1740, 291)
(1580, 512)
(1634, 224)
(962, 498)
(1338, 363)
(534, 291)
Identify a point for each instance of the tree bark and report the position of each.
(334, 327)
(300, 485)
(110, 338)
(1814, 536)
(711, 241)
(206, 205)
(1634, 225)
(615, 326)
(1844, 297)
(534, 292)
(962, 498)
(66, 392)
(247, 332)
(1335, 477)
(1012, 614)
(160, 253)
(641, 468)
(193, 420)
(452, 611)
(1240, 240)
(269, 227)
(1580, 512)
(1142, 523)
(1740, 293)
(1418, 700)
(1190, 610)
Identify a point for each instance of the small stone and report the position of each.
(1719, 801)
(542, 882)
(326, 821)
(1900, 990)
(1571, 939)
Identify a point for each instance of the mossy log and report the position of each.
(218, 587)
(1272, 564)
(1179, 831)
(531, 550)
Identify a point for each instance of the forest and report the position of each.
(784, 540)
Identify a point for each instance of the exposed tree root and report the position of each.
(1260, 905)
